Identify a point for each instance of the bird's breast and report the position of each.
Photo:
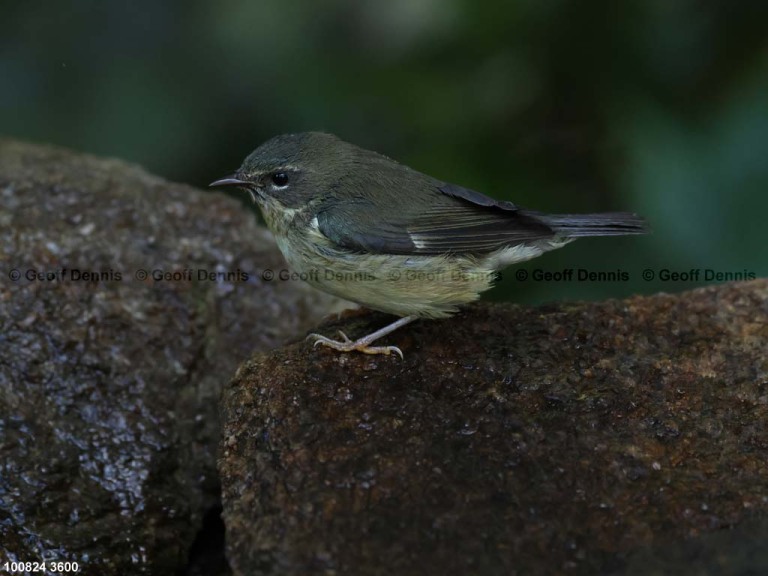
(426, 286)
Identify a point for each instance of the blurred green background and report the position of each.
(658, 107)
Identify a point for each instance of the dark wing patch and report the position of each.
(354, 226)
(474, 197)
(456, 220)
(472, 229)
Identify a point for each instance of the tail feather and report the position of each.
(602, 224)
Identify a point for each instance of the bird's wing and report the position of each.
(451, 220)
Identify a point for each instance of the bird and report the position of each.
(366, 228)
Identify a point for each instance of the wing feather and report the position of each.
(454, 220)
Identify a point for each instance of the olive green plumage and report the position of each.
(361, 226)
(368, 229)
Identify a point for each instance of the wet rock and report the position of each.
(109, 378)
(511, 440)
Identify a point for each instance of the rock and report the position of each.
(109, 379)
(510, 440)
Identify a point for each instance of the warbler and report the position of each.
(368, 229)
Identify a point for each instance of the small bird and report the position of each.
(368, 229)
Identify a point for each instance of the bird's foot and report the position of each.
(360, 345)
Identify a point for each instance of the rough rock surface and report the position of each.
(511, 440)
(109, 389)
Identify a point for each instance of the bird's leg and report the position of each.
(364, 344)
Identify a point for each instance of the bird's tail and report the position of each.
(602, 224)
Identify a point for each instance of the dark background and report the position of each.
(658, 107)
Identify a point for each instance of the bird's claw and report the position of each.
(361, 345)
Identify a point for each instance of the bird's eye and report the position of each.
(280, 179)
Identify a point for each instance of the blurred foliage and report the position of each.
(658, 107)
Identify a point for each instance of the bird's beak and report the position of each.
(233, 180)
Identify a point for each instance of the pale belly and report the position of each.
(424, 286)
